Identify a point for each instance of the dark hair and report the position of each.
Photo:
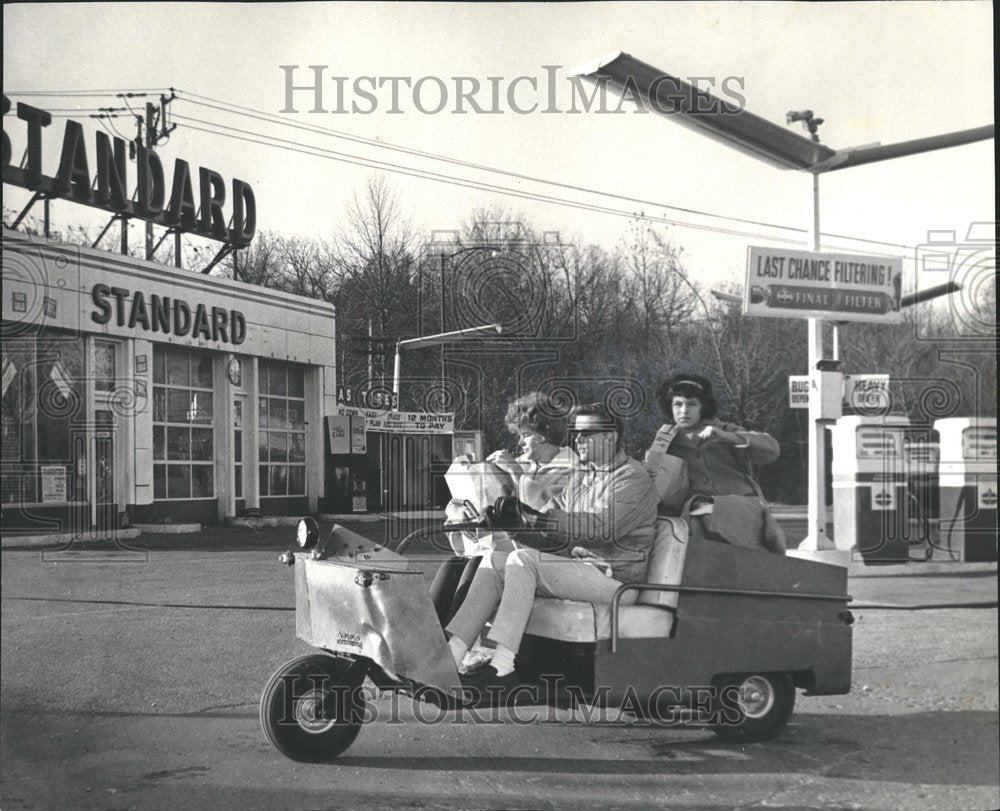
(537, 412)
(694, 387)
(610, 421)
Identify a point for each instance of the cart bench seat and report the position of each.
(651, 616)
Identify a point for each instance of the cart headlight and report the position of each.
(307, 533)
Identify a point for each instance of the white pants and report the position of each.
(507, 584)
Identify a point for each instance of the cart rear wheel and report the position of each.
(754, 707)
(312, 708)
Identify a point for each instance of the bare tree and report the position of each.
(370, 266)
(260, 262)
(655, 284)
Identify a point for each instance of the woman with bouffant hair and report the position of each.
(542, 469)
(540, 473)
(716, 458)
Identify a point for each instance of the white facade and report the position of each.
(168, 337)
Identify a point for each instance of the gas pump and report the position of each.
(869, 487)
(921, 460)
(968, 487)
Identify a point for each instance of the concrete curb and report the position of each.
(856, 566)
(369, 518)
(263, 521)
(167, 529)
(65, 538)
(353, 518)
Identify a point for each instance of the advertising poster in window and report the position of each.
(53, 483)
(340, 434)
(358, 443)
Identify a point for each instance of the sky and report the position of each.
(875, 72)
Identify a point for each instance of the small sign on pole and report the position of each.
(783, 283)
(798, 391)
(867, 392)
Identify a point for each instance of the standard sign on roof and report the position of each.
(835, 286)
(107, 188)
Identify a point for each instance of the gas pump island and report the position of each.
(870, 497)
(881, 504)
(813, 285)
(832, 287)
(968, 488)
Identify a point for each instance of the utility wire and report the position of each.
(236, 109)
(241, 134)
(270, 118)
(297, 146)
(149, 91)
(207, 101)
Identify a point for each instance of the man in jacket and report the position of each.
(597, 534)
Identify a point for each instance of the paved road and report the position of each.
(135, 685)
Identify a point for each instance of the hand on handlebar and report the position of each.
(511, 514)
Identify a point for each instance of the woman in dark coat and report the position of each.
(717, 457)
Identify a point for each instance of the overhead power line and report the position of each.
(241, 133)
(273, 119)
(224, 106)
(236, 109)
(131, 92)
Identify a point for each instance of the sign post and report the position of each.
(775, 145)
(783, 283)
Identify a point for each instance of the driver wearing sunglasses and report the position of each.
(596, 534)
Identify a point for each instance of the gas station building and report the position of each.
(141, 392)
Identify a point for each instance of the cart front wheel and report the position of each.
(312, 708)
(754, 707)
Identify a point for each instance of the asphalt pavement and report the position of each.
(131, 677)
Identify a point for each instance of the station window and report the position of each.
(43, 397)
(104, 366)
(281, 415)
(183, 425)
(238, 448)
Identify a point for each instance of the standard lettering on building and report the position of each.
(171, 316)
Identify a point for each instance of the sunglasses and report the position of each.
(591, 432)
